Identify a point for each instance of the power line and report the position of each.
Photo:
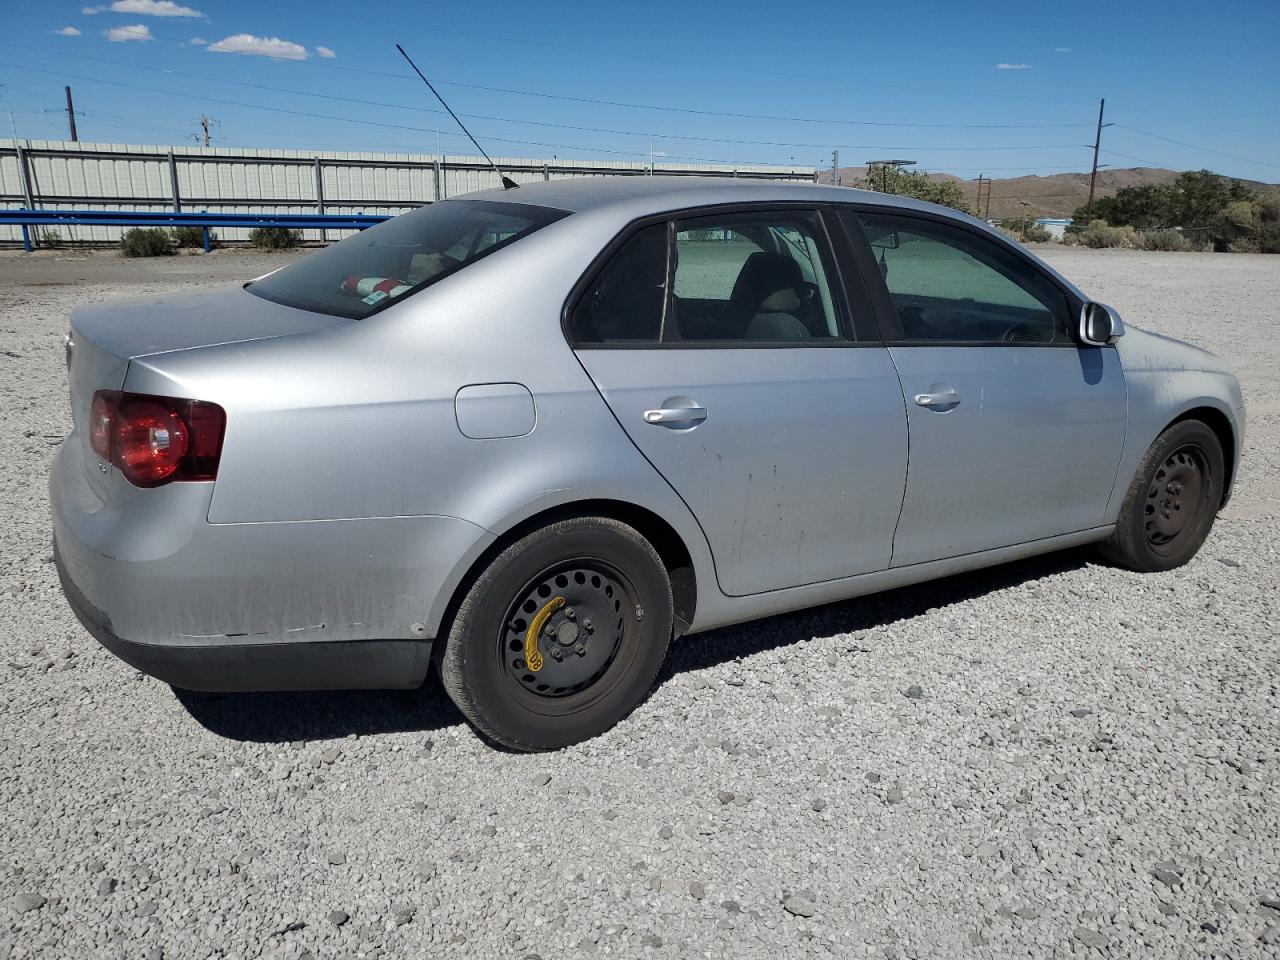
(1194, 146)
(551, 96)
(630, 105)
(773, 118)
(393, 126)
(535, 123)
(402, 24)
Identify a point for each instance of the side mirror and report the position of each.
(885, 241)
(1099, 325)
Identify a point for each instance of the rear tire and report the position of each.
(561, 636)
(1171, 502)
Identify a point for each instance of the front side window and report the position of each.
(355, 277)
(950, 285)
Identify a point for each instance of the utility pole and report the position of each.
(835, 168)
(1097, 142)
(71, 116)
(204, 122)
(977, 206)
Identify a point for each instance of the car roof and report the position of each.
(640, 195)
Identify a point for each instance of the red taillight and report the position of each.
(153, 440)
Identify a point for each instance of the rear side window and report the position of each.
(625, 301)
(753, 278)
(362, 273)
(758, 279)
(950, 285)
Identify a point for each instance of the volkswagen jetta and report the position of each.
(533, 435)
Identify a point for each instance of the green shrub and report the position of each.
(1249, 226)
(1266, 239)
(146, 242)
(49, 237)
(1036, 233)
(1025, 231)
(1269, 237)
(1167, 240)
(274, 238)
(1098, 234)
(191, 236)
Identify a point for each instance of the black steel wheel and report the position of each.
(561, 636)
(566, 627)
(1174, 497)
(1172, 500)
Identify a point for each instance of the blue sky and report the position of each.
(1005, 88)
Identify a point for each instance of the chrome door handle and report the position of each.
(943, 398)
(676, 415)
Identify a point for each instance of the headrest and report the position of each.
(762, 276)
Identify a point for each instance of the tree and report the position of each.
(916, 184)
(1208, 208)
(1148, 207)
(1249, 226)
(1201, 198)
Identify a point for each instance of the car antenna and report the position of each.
(507, 182)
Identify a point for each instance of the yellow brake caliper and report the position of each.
(533, 656)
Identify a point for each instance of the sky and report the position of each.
(1002, 88)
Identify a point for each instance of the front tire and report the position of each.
(1171, 503)
(561, 636)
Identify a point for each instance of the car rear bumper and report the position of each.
(340, 604)
(228, 666)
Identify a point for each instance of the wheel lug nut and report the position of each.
(570, 613)
(580, 649)
(586, 625)
(557, 654)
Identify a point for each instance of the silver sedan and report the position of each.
(533, 435)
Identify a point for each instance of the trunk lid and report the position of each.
(104, 338)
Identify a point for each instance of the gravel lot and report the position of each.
(1050, 759)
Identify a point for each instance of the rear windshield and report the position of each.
(372, 269)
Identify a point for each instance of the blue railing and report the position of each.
(26, 219)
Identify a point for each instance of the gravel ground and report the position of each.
(1049, 759)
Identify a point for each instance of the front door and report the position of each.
(723, 346)
(1015, 429)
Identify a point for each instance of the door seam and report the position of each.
(906, 473)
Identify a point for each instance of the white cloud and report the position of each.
(250, 45)
(68, 32)
(154, 8)
(90, 11)
(1061, 49)
(325, 52)
(198, 42)
(125, 34)
(1013, 66)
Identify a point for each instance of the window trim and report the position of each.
(852, 326)
(886, 313)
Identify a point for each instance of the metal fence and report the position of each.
(42, 174)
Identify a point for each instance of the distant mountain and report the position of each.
(1054, 196)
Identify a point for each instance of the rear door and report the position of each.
(1016, 430)
(724, 346)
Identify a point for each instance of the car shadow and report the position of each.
(326, 715)
(704, 650)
